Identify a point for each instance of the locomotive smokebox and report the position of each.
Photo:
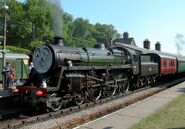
(58, 40)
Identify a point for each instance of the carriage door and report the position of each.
(135, 63)
(18, 73)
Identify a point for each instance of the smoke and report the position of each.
(57, 14)
(179, 43)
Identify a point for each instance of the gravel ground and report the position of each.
(54, 122)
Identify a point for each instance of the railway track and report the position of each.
(76, 115)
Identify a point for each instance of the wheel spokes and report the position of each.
(94, 94)
(110, 90)
(123, 85)
(78, 98)
(55, 106)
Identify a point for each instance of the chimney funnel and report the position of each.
(158, 46)
(146, 44)
(58, 40)
(125, 35)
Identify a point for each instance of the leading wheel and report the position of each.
(78, 98)
(55, 103)
(55, 106)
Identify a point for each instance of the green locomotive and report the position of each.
(76, 74)
(79, 73)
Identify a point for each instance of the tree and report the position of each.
(105, 32)
(28, 21)
(31, 23)
(39, 14)
(67, 28)
(14, 16)
(34, 44)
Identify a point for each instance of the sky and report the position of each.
(156, 20)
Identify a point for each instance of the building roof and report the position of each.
(147, 51)
(129, 41)
(125, 40)
(15, 55)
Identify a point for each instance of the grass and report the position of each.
(170, 116)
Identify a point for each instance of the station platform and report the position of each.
(6, 93)
(126, 117)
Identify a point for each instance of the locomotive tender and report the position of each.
(76, 74)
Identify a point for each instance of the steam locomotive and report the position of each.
(79, 74)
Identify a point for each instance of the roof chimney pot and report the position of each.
(146, 44)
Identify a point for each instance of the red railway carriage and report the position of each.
(167, 63)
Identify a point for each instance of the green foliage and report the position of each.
(79, 42)
(14, 49)
(31, 22)
(34, 44)
(105, 32)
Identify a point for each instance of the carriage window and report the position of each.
(135, 57)
(172, 63)
(146, 58)
(165, 63)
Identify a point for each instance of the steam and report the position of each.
(57, 14)
(179, 43)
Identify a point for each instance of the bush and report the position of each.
(14, 49)
(34, 44)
